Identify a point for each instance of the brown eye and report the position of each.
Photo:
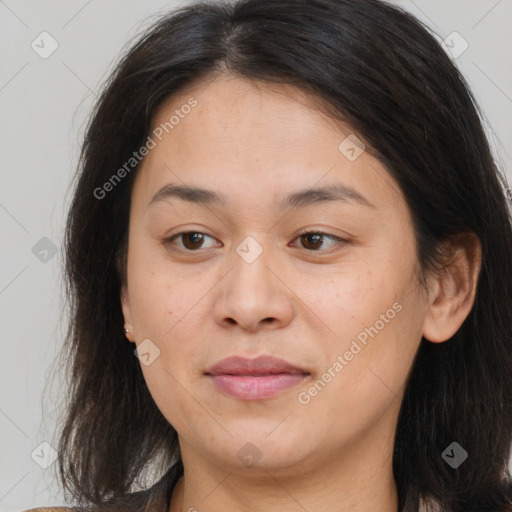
(313, 240)
(191, 240)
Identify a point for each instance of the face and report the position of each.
(208, 279)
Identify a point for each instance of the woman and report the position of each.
(288, 260)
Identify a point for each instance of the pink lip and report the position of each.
(255, 379)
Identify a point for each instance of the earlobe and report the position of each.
(453, 289)
(125, 305)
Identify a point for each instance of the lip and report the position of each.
(261, 365)
(255, 379)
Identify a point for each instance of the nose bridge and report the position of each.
(252, 259)
(252, 292)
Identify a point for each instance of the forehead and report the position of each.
(263, 139)
(254, 105)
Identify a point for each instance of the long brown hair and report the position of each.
(380, 70)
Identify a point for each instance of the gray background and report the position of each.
(44, 104)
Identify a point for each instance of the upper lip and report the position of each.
(261, 365)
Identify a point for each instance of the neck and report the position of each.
(359, 479)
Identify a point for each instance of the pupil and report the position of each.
(314, 236)
(192, 235)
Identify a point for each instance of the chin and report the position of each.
(254, 448)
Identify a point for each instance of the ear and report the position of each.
(125, 304)
(452, 290)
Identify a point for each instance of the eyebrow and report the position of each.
(298, 199)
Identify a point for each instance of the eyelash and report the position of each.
(170, 241)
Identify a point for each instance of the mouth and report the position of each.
(255, 379)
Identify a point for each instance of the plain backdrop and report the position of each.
(44, 103)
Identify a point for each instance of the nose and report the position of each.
(255, 294)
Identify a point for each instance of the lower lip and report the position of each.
(256, 388)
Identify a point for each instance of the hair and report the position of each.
(380, 70)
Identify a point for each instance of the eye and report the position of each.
(192, 240)
(314, 239)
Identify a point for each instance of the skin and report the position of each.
(302, 300)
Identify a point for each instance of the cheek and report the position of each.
(169, 307)
(159, 293)
(347, 302)
(171, 393)
(376, 324)
(367, 383)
